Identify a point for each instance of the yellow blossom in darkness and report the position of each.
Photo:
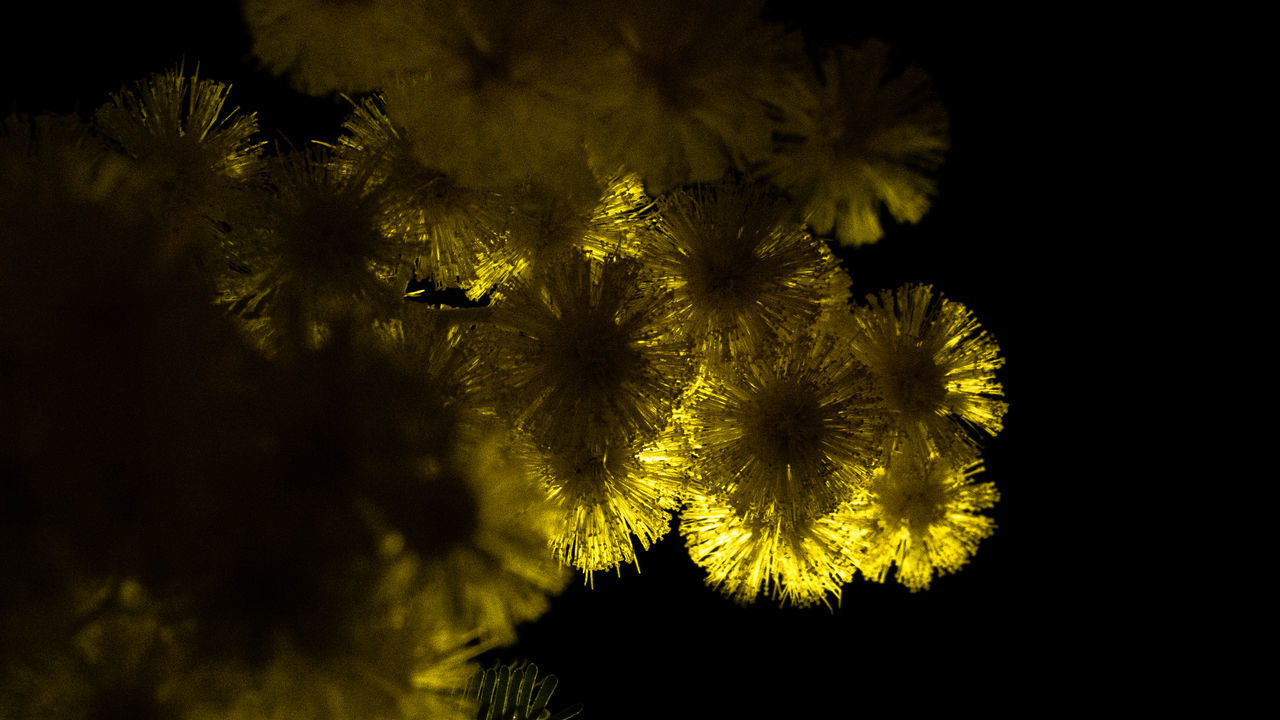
(739, 271)
(747, 554)
(868, 138)
(790, 433)
(934, 364)
(920, 514)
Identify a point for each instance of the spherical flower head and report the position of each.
(605, 493)
(447, 229)
(740, 273)
(337, 45)
(674, 91)
(921, 514)
(751, 554)
(868, 139)
(313, 253)
(934, 365)
(486, 110)
(791, 433)
(580, 355)
(196, 153)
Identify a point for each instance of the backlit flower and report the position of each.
(934, 364)
(922, 515)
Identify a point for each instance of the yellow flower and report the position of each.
(314, 253)
(934, 365)
(674, 91)
(325, 46)
(920, 514)
(196, 154)
(789, 434)
(746, 554)
(578, 354)
(546, 227)
(446, 228)
(607, 491)
(486, 110)
(740, 273)
(866, 139)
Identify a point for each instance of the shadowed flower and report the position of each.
(120, 658)
(920, 514)
(447, 228)
(740, 273)
(675, 91)
(546, 227)
(486, 112)
(315, 252)
(196, 154)
(476, 529)
(868, 139)
(787, 435)
(338, 45)
(579, 355)
(934, 365)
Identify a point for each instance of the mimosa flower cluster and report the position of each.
(255, 468)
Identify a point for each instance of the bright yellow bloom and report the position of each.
(606, 492)
(867, 139)
(795, 560)
(934, 365)
(674, 91)
(920, 514)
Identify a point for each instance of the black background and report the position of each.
(657, 643)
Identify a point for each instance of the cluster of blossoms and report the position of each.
(284, 481)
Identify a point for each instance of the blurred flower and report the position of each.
(867, 138)
(740, 273)
(485, 111)
(325, 46)
(476, 530)
(934, 365)
(120, 658)
(313, 253)
(921, 514)
(676, 91)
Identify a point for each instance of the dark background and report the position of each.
(658, 643)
